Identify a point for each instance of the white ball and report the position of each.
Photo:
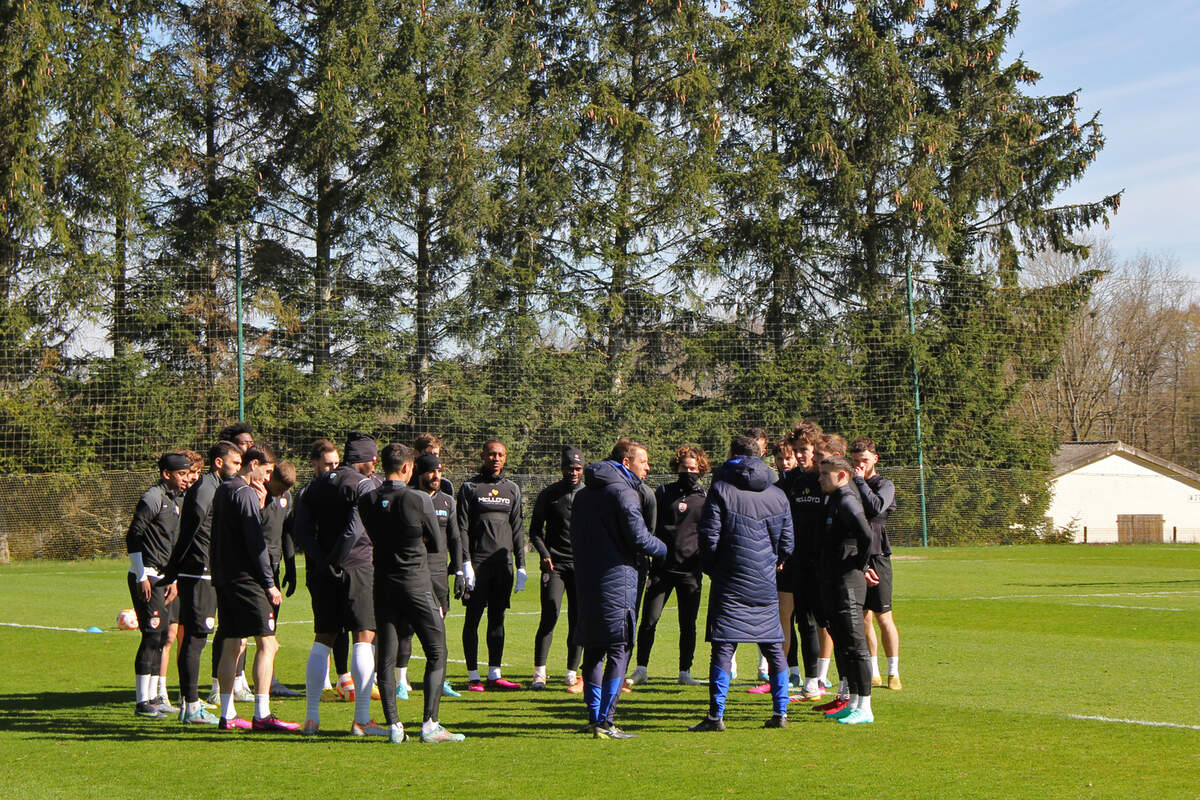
(127, 620)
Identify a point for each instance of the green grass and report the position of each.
(999, 647)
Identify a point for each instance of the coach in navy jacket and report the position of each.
(607, 533)
(745, 534)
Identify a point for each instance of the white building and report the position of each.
(1111, 492)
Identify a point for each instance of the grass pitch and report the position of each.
(1040, 671)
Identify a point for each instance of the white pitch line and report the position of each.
(1145, 722)
(1132, 608)
(1063, 596)
(42, 627)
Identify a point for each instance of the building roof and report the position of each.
(1073, 455)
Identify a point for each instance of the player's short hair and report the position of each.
(222, 450)
(195, 460)
(783, 448)
(837, 464)
(832, 444)
(394, 457)
(624, 446)
(863, 445)
(805, 432)
(285, 473)
(483, 450)
(756, 433)
(690, 451)
(744, 446)
(260, 452)
(319, 448)
(426, 441)
(234, 430)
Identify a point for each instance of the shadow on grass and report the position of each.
(107, 715)
(1125, 584)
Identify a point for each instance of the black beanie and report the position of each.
(426, 462)
(572, 456)
(171, 462)
(360, 448)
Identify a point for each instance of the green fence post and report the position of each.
(912, 331)
(237, 261)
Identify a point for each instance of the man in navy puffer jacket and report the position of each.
(745, 534)
(607, 534)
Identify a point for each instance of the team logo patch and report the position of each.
(494, 492)
(385, 503)
(210, 622)
(283, 502)
(271, 621)
(155, 621)
(682, 507)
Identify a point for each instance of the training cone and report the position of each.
(94, 629)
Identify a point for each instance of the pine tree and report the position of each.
(642, 162)
(314, 105)
(215, 63)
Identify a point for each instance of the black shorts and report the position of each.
(245, 610)
(197, 606)
(342, 602)
(493, 585)
(879, 598)
(441, 580)
(785, 579)
(152, 617)
(807, 591)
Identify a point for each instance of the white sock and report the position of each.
(853, 701)
(396, 727)
(193, 708)
(316, 671)
(844, 688)
(239, 682)
(539, 673)
(493, 673)
(823, 669)
(216, 686)
(160, 685)
(762, 665)
(812, 685)
(362, 667)
(227, 710)
(874, 668)
(893, 665)
(472, 674)
(143, 688)
(572, 676)
(864, 703)
(402, 677)
(429, 725)
(262, 706)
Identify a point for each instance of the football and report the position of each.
(127, 620)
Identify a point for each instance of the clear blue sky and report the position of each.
(1138, 64)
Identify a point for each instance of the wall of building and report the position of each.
(1092, 496)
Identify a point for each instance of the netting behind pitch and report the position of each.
(82, 418)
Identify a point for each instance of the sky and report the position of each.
(1138, 65)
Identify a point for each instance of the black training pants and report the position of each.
(844, 595)
(399, 609)
(555, 583)
(687, 591)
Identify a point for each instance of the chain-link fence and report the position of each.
(57, 515)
